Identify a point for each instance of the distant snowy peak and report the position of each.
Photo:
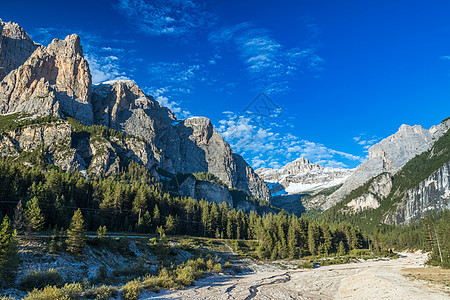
(302, 176)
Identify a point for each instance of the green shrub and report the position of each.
(41, 279)
(165, 280)
(102, 292)
(48, 293)
(185, 276)
(67, 292)
(227, 265)
(306, 265)
(132, 290)
(217, 268)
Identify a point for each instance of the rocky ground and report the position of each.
(374, 279)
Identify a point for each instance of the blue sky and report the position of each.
(339, 75)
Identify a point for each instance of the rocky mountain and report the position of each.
(406, 194)
(55, 81)
(15, 47)
(389, 155)
(302, 176)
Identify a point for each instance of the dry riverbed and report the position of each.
(375, 279)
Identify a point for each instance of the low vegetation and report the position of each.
(17, 121)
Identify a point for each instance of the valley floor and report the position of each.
(375, 279)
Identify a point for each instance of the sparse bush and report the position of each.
(67, 292)
(166, 280)
(185, 276)
(306, 265)
(132, 290)
(217, 268)
(102, 292)
(48, 293)
(41, 279)
(209, 265)
(227, 265)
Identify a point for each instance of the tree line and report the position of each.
(131, 201)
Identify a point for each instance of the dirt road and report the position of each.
(366, 280)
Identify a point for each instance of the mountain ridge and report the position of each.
(56, 80)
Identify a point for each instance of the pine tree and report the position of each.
(341, 250)
(9, 257)
(313, 237)
(101, 232)
(18, 223)
(156, 215)
(292, 241)
(170, 224)
(76, 234)
(33, 216)
(327, 238)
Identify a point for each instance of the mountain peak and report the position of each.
(300, 165)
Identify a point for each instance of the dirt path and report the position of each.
(367, 280)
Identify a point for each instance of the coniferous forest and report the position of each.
(38, 199)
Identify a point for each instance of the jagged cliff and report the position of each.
(389, 155)
(15, 47)
(432, 194)
(56, 80)
(419, 187)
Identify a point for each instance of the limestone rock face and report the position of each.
(15, 47)
(212, 192)
(56, 80)
(202, 149)
(390, 155)
(378, 189)
(432, 194)
(248, 180)
(209, 191)
(123, 106)
(53, 80)
(188, 146)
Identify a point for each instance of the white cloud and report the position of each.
(269, 64)
(165, 17)
(160, 95)
(104, 68)
(366, 141)
(264, 147)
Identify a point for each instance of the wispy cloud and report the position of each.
(104, 68)
(269, 64)
(366, 141)
(265, 147)
(105, 62)
(162, 96)
(165, 17)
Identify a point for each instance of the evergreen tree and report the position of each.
(313, 238)
(341, 250)
(76, 234)
(292, 241)
(170, 224)
(9, 257)
(33, 216)
(327, 238)
(18, 223)
(156, 215)
(101, 232)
